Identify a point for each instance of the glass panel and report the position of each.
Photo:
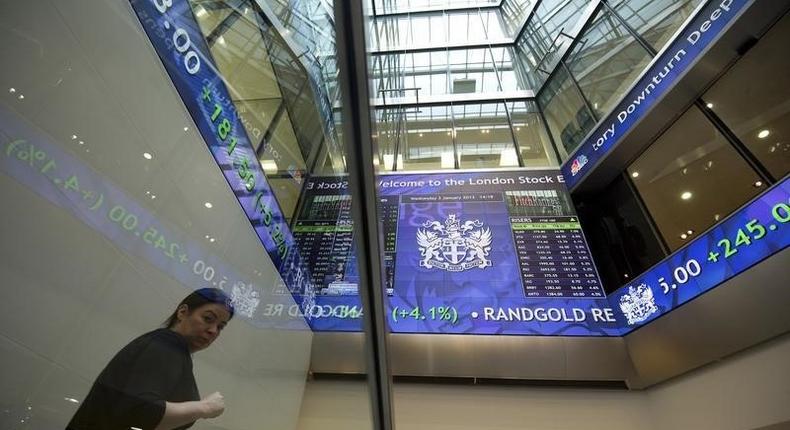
(533, 142)
(691, 177)
(483, 136)
(129, 214)
(427, 143)
(568, 117)
(655, 20)
(752, 100)
(605, 62)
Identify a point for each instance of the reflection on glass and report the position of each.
(691, 177)
(483, 136)
(655, 20)
(533, 142)
(568, 117)
(752, 99)
(427, 143)
(606, 62)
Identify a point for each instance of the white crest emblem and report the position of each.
(453, 246)
(638, 304)
(245, 299)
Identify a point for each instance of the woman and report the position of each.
(149, 384)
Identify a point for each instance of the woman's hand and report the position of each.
(213, 405)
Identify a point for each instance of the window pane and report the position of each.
(752, 98)
(690, 178)
(533, 142)
(656, 20)
(427, 143)
(483, 136)
(568, 118)
(606, 62)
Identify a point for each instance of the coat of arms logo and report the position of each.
(454, 246)
(245, 299)
(638, 304)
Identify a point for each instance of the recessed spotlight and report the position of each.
(153, 196)
(763, 133)
(70, 399)
(212, 240)
(685, 170)
(758, 184)
(12, 90)
(21, 97)
(686, 195)
(625, 275)
(716, 217)
(709, 105)
(683, 236)
(518, 128)
(186, 128)
(207, 236)
(635, 174)
(690, 232)
(208, 205)
(73, 137)
(147, 156)
(81, 142)
(420, 134)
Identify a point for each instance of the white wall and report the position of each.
(746, 391)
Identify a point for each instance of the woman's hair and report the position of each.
(199, 298)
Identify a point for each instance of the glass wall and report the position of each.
(751, 98)
(568, 116)
(476, 135)
(606, 62)
(127, 212)
(655, 20)
(681, 179)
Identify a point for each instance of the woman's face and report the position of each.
(202, 325)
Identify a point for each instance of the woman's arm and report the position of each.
(179, 414)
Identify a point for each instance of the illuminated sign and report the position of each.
(176, 37)
(494, 252)
(663, 73)
(751, 234)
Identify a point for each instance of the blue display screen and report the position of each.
(463, 253)
(662, 75)
(531, 276)
(756, 231)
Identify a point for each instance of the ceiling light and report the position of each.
(71, 399)
(269, 166)
(207, 236)
(81, 142)
(201, 12)
(420, 134)
(625, 275)
(12, 90)
(208, 205)
(21, 96)
(73, 137)
(690, 232)
(147, 156)
(716, 217)
(508, 157)
(683, 236)
(758, 184)
(518, 128)
(212, 240)
(709, 105)
(186, 128)
(595, 105)
(763, 134)
(447, 160)
(635, 174)
(153, 196)
(685, 170)
(221, 40)
(686, 195)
